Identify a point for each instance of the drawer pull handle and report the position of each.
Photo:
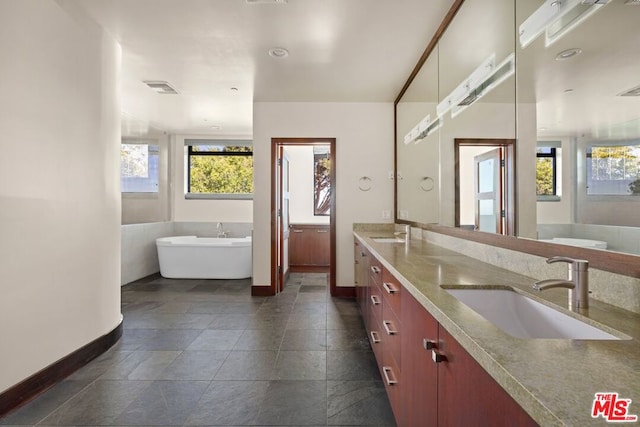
(298, 231)
(389, 288)
(322, 231)
(437, 357)
(386, 370)
(374, 337)
(375, 300)
(375, 269)
(388, 327)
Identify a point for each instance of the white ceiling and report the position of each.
(340, 51)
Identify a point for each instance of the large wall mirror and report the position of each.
(559, 78)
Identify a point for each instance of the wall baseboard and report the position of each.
(344, 292)
(262, 291)
(29, 388)
(309, 268)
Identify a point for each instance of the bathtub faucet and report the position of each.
(221, 233)
(577, 281)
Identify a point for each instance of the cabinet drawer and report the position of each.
(376, 338)
(375, 271)
(375, 300)
(391, 328)
(391, 379)
(392, 291)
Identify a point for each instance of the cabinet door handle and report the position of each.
(298, 231)
(375, 269)
(322, 231)
(374, 337)
(375, 300)
(437, 357)
(363, 254)
(428, 344)
(388, 327)
(389, 288)
(356, 262)
(386, 370)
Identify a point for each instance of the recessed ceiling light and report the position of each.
(278, 52)
(569, 53)
(216, 127)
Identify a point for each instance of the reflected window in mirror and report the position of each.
(613, 169)
(548, 171)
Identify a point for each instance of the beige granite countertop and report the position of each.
(554, 380)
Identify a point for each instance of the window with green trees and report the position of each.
(546, 171)
(220, 170)
(613, 170)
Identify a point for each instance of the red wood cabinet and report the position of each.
(467, 395)
(430, 379)
(309, 248)
(420, 402)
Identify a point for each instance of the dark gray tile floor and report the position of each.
(206, 353)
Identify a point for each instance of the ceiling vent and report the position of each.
(632, 2)
(161, 87)
(266, 1)
(631, 92)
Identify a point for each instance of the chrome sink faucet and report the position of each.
(404, 235)
(577, 281)
(221, 233)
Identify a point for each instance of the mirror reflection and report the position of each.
(418, 151)
(581, 74)
(574, 114)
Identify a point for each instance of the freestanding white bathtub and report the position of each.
(191, 257)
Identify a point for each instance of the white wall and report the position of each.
(59, 185)
(301, 186)
(364, 146)
(201, 210)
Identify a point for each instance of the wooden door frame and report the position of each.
(510, 176)
(276, 143)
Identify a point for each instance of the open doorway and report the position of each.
(322, 205)
(485, 185)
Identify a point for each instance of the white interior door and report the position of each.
(283, 217)
(488, 191)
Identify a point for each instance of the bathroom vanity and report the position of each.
(444, 364)
(309, 247)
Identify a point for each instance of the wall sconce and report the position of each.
(480, 82)
(423, 129)
(556, 18)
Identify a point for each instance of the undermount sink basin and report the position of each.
(523, 317)
(387, 240)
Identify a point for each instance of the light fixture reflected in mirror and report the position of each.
(479, 83)
(556, 18)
